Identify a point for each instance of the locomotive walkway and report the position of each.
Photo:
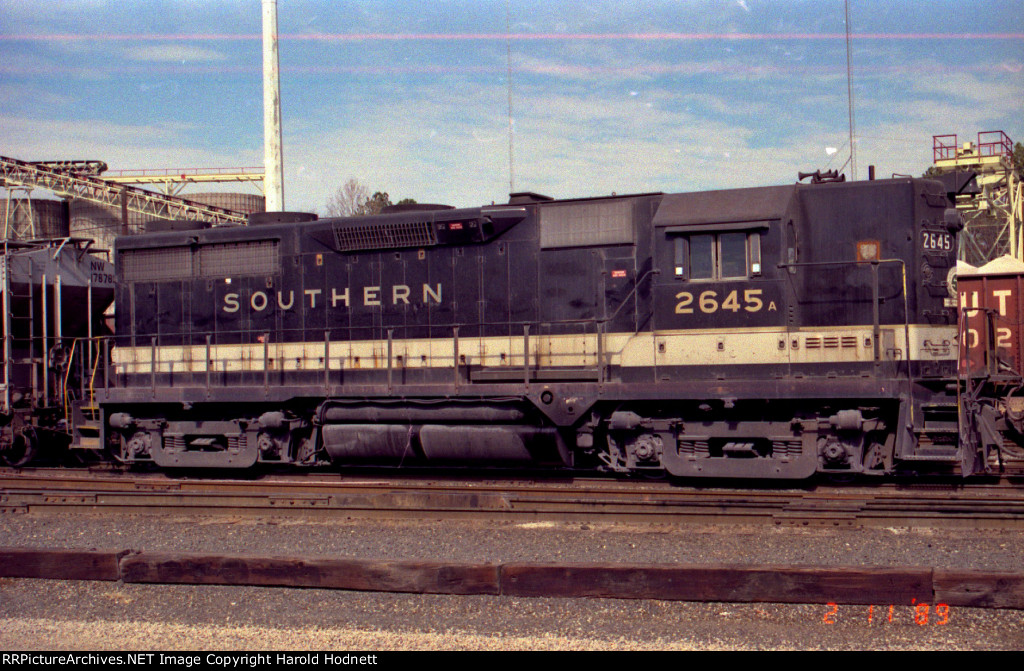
(44, 493)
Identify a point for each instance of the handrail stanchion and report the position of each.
(455, 353)
(152, 363)
(266, 364)
(209, 365)
(526, 355)
(327, 362)
(390, 369)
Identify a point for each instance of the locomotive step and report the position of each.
(87, 436)
(88, 424)
(86, 443)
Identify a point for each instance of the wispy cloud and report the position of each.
(121, 146)
(593, 135)
(606, 97)
(173, 53)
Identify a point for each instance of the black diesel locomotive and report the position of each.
(754, 333)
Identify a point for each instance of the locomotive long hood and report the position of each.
(417, 229)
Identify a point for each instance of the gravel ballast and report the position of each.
(49, 614)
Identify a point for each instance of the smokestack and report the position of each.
(273, 161)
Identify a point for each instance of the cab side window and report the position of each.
(718, 256)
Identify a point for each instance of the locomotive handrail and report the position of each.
(874, 308)
(874, 263)
(94, 364)
(196, 337)
(67, 376)
(239, 351)
(636, 285)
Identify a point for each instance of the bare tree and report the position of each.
(353, 199)
(349, 200)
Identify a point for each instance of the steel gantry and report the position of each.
(172, 181)
(69, 183)
(988, 191)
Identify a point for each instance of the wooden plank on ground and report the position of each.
(781, 584)
(60, 564)
(980, 589)
(354, 574)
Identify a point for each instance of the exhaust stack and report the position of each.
(273, 161)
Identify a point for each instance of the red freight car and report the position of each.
(991, 312)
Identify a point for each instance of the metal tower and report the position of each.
(19, 217)
(988, 192)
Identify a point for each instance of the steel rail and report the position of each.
(580, 500)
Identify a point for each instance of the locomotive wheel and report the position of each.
(23, 449)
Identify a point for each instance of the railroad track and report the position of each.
(326, 496)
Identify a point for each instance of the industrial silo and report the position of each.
(102, 223)
(239, 202)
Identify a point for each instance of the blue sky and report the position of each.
(413, 97)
